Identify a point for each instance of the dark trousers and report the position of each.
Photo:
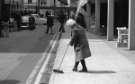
(82, 62)
(48, 27)
(61, 29)
(1, 33)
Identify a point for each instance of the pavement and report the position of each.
(107, 65)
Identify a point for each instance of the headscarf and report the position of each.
(70, 22)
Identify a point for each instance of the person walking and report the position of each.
(47, 14)
(80, 43)
(18, 20)
(1, 28)
(31, 22)
(5, 25)
(49, 23)
(61, 19)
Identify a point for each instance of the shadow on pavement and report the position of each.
(100, 72)
(9, 82)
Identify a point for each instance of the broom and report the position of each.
(58, 69)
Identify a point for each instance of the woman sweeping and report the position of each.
(80, 43)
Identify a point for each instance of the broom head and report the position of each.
(58, 71)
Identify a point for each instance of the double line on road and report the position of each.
(37, 72)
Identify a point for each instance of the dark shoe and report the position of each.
(63, 31)
(83, 70)
(74, 69)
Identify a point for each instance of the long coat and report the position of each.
(80, 43)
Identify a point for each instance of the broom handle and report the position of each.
(63, 57)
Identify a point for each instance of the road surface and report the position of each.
(20, 53)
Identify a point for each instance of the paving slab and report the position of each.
(106, 66)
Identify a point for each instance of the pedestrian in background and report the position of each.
(80, 43)
(1, 28)
(49, 23)
(61, 19)
(18, 20)
(31, 22)
(5, 25)
(47, 13)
